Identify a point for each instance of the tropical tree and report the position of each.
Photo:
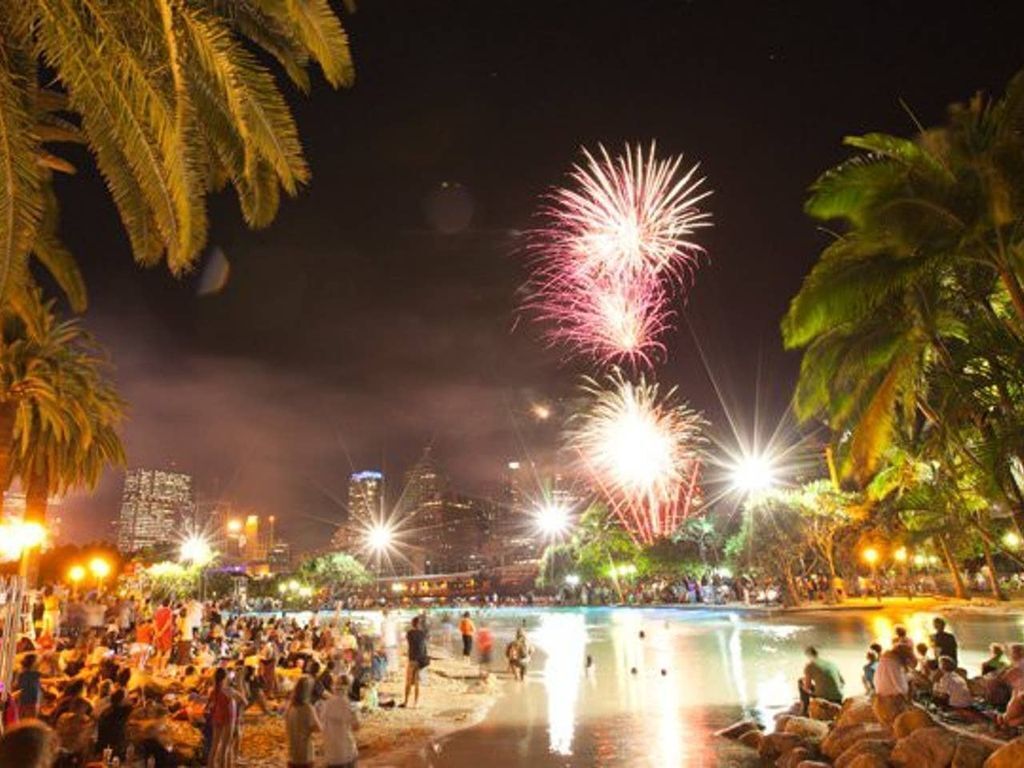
(335, 571)
(174, 100)
(912, 321)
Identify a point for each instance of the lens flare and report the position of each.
(615, 248)
(642, 451)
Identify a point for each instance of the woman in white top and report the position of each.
(301, 722)
(340, 723)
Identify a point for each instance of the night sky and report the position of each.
(376, 315)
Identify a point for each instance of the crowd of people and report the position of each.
(899, 672)
(113, 679)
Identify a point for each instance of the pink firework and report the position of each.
(642, 451)
(616, 247)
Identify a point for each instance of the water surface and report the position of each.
(695, 671)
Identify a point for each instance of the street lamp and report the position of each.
(100, 568)
(75, 575)
(903, 558)
(552, 519)
(196, 550)
(1011, 539)
(870, 556)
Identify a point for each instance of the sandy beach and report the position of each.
(451, 699)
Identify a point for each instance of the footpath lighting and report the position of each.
(1011, 540)
(76, 573)
(572, 580)
(900, 555)
(871, 557)
(100, 569)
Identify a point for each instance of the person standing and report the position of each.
(390, 639)
(419, 658)
(944, 642)
(163, 631)
(821, 679)
(222, 713)
(340, 723)
(301, 722)
(467, 630)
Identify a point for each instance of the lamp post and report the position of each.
(75, 575)
(901, 557)
(552, 521)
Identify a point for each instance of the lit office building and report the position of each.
(156, 506)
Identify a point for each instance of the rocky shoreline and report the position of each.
(872, 733)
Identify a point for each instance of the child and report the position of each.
(869, 672)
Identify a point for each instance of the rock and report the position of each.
(822, 709)
(869, 760)
(855, 711)
(842, 738)
(751, 739)
(925, 748)
(973, 751)
(909, 721)
(775, 745)
(736, 730)
(879, 747)
(1008, 756)
(888, 708)
(813, 764)
(793, 758)
(813, 730)
(781, 719)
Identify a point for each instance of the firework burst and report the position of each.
(642, 450)
(616, 246)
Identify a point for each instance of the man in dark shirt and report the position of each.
(113, 724)
(416, 639)
(944, 642)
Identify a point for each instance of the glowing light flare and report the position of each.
(1011, 540)
(552, 519)
(380, 537)
(541, 411)
(900, 555)
(196, 549)
(99, 567)
(234, 526)
(76, 573)
(753, 474)
(870, 556)
(17, 536)
(642, 451)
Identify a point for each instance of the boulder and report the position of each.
(775, 745)
(888, 708)
(856, 710)
(751, 739)
(1010, 755)
(812, 730)
(842, 738)
(781, 719)
(822, 709)
(736, 730)
(972, 753)
(880, 747)
(909, 721)
(932, 747)
(793, 758)
(869, 760)
(813, 764)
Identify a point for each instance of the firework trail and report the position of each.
(615, 248)
(642, 450)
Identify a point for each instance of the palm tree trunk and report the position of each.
(958, 583)
(37, 497)
(8, 411)
(1013, 288)
(993, 579)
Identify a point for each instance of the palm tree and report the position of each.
(173, 99)
(60, 420)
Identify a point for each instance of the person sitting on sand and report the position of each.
(28, 744)
(951, 689)
(997, 660)
(821, 679)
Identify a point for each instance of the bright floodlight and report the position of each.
(100, 568)
(753, 474)
(196, 550)
(379, 537)
(76, 573)
(552, 519)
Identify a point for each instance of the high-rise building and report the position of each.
(156, 505)
(279, 558)
(365, 506)
(515, 538)
(423, 504)
(464, 527)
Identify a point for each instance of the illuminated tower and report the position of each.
(155, 507)
(365, 505)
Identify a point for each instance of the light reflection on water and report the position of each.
(718, 666)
